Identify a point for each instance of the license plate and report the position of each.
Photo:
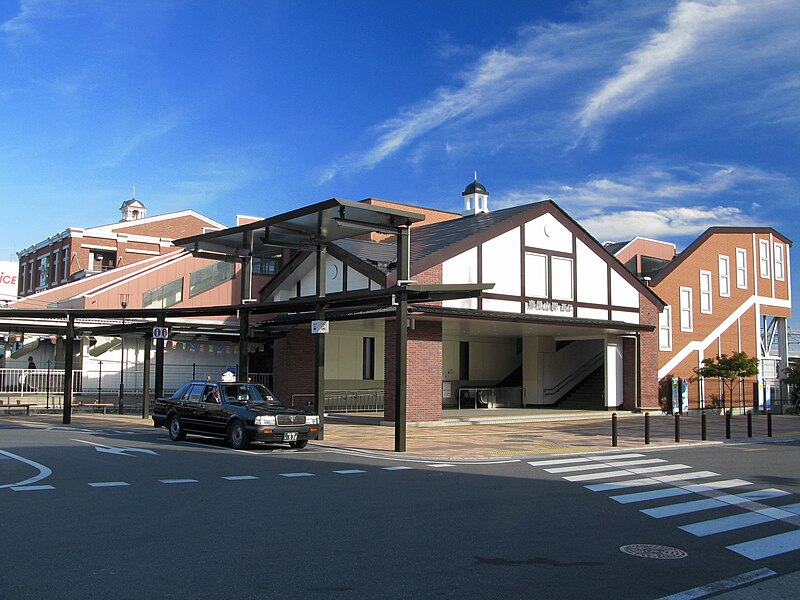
(290, 436)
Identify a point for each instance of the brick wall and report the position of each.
(423, 372)
(293, 365)
(648, 357)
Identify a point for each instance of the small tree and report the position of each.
(792, 379)
(728, 369)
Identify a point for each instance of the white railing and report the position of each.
(494, 397)
(343, 401)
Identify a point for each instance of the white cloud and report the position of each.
(23, 25)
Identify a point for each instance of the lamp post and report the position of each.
(123, 302)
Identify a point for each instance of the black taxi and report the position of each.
(239, 411)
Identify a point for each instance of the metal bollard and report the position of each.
(614, 429)
(647, 428)
(749, 423)
(677, 428)
(728, 425)
(769, 423)
(703, 430)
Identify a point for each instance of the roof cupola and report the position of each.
(476, 198)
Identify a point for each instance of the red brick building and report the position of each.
(729, 291)
(79, 252)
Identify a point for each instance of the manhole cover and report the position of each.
(654, 551)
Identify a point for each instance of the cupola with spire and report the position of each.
(132, 210)
(476, 198)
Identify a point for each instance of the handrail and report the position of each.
(581, 372)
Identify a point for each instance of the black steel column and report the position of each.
(319, 340)
(159, 388)
(401, 340)
(148, 346)
(247, 267)
(69, 353)
(244, 345)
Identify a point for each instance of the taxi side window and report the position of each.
(209, 395)
(195, 393)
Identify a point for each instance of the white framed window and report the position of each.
(43, 266)
(30, 275)
(665, 329)
(741, 268)
(705, 292)
(22, 275)
(763, 258)
(536, 275)
(65, 258)
(562, 278)
(687, 323)
(54, 266)
(724, 276)
(777, 255)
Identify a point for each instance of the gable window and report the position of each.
(210, 277)
(536, 275)
(665, 329)
(777, 255)
(763, 258)
(561, 269)
(163, 296)
(368, 366)
(724, 276)
(686, 309)
(705, 292)
(264, 265)
(741, 268)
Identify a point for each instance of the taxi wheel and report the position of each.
(299, 444)
(237, 435)
(176, 432)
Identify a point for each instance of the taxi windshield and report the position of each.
(249, 393)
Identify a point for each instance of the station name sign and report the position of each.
(549, 306)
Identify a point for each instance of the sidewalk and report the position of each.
(493, 441)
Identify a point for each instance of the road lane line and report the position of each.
(704, 591)
(240, 477)
(297, 474)
(349, 471)
(32, 488)
(170, 481)
(103, 484)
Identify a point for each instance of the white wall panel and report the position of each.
(501, 263)
(622, 292)
(356, 281)
(334, 276)
(501, 305)
(592, 313)
(624, 316)
(462, 268)
(461, 303)
(592, 276)
(547, 233)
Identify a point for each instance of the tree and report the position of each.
(728, 369)
(792, 379)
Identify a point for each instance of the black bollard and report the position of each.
(677, 427)
(728, 425)
(614, 429)
(647, 428)
(769, 423)
(749, 423)
(703, 431)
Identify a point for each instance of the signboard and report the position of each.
(160, 333)
(320, 326)
(8, 281)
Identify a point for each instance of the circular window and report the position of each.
(333, 271)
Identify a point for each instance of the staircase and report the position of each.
(587, 395)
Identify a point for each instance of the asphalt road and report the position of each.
(126, 513)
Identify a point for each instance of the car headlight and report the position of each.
(265, 420)
(312, 419)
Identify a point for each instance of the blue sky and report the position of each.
(656, 118)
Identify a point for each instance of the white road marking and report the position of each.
(32, 488)
(44, 472)
(618, 485)
(397, 468)
(624, 472)
(297, 474)
(240, 477)
(101, 484)
(441, 465)
(755, 517)
(585, 459)
(719, 586)
(597, 466)
(350, 472)
(678, 491)
(768, 546)
(170, 481)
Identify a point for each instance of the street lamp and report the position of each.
(123, 302)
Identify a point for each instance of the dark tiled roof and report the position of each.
(379, 254)
(614, 247)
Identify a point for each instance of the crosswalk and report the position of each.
(688, 492)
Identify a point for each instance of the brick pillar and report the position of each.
(630, 375)
(293, 366)
(424, 372)
(648, 358)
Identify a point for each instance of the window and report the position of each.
(263, 265)
(54, 267)
(686, 309)
(30, 275)
(705, 292)
(535, 275)
(741, 268)
(724, 276)
(368, 367)
(777, 254)
(210, 277)
(763, 258)
(665, 329)
(562, 278)
(22, 274)
(164, 296)
(65, 258)
(43, 271)
(463, 361)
